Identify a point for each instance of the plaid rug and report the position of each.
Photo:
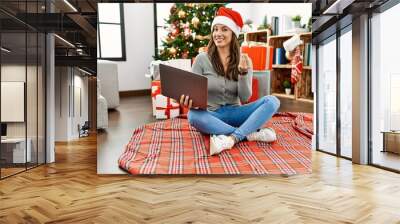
(174, 147)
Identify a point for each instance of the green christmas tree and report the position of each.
(189, 30)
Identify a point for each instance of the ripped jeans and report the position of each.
(236, 120)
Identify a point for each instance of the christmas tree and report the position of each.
(189, 30)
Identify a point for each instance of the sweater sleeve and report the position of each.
(245, 84)
(197, 65)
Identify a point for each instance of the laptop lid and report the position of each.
(175, 82)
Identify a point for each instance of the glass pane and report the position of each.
(13, 87)
(385, 84)
(110, 41)
(31, 98)
(346, 94)
(109, 13)
(327, 97)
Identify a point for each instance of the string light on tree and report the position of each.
(188, 27)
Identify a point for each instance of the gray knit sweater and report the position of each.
(222, 91)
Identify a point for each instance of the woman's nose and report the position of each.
(218, 33)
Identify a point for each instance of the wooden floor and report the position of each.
(386, 159)
(132, 112)
(70, 191)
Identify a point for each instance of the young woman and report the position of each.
(229, 76)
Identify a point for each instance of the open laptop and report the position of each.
(175, 82)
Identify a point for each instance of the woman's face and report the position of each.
(222, 35)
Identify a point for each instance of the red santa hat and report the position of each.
(229, 18)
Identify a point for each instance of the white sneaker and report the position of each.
(218, 143)
(265, 135)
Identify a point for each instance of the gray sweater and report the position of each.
(222, 91)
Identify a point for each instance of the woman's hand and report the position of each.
(243, 64)
(186, 102)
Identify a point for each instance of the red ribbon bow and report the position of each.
(157, 91)
(168, 108)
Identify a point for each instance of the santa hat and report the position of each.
(229, 18)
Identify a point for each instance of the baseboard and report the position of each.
(141, 92)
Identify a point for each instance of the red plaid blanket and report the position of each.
(174, 147)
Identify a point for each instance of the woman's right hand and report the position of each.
(186, 102)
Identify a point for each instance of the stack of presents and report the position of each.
(165, 107)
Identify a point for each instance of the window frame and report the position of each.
(122, 27)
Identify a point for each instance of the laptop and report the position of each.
(175, 82)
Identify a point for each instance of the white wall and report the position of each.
(139, 39)
(257, 11)
(66, 121)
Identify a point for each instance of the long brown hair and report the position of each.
(234, 56)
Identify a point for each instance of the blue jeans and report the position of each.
(235, 120)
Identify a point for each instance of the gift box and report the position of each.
(258, 55)
(166, 107)
(254, 89)
(155, 90)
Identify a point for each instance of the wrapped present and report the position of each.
(155, 90)
(254, 87)
(258, 55)
(254, 96)
(166, 107)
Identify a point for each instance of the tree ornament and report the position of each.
(195, 22)
(187, 33)
(185, 54)
(181, 14)
(190, 5)
(175, 30)
(172, 50)
(199, 37)
(173, 9)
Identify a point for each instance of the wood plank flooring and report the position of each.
(70, 191)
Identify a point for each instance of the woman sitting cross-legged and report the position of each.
(229, 76)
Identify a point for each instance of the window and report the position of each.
(346, 92)
(327, 96)
(110, 32)
(385, 89)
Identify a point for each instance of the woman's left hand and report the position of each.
(243, 64)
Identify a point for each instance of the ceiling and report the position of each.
(74, 22)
